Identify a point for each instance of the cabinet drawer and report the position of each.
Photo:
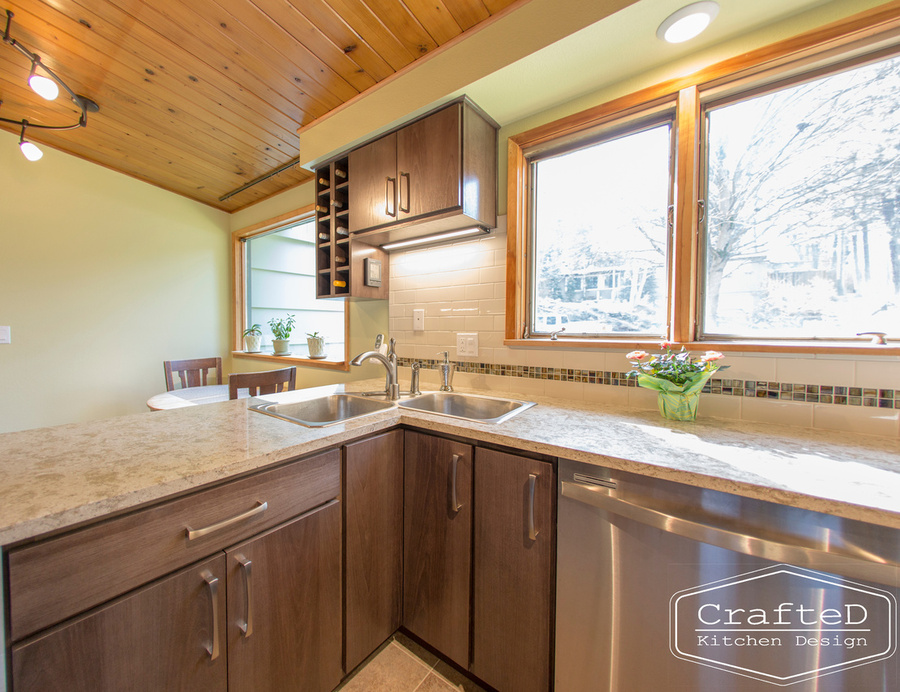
(54, 579)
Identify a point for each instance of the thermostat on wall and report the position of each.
(372, 272)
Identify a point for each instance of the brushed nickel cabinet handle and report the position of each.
(197, 533)
(212, 584)
(389, 182)
(454, 501)
(408, 191)
(532, 533)
(246, 626)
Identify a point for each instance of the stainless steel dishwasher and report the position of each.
(663, 586)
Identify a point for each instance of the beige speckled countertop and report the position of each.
(55, 478)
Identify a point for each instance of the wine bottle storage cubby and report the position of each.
(340, 261)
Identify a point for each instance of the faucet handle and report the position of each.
(877, 337)
(391, 345)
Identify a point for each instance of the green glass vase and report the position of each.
(677, 405)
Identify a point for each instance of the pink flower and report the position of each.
(667, 344)
(637, 355)
(711, 356)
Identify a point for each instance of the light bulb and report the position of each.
(44, 86)
(688, 22)
(30, 151)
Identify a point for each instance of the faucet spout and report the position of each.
(390, 365)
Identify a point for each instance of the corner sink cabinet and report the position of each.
(479, 538)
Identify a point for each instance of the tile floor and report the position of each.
(401, 665)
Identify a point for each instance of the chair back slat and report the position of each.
(266, 382)
(193, 372)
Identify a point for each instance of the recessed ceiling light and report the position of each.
(688, 22)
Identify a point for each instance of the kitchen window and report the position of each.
(767, 217)
(275, 276)
(600, 234)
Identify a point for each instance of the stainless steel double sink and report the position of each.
(339, 408)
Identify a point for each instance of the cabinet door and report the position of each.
(513, 566)
(437, 539)
(373, 543)
(169, 635)
(284, 606)
(429, 164)
(373, 184)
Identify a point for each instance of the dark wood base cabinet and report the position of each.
(479, 539)
(373, 539)
(437, 539)
(167, 636)
(514, 555)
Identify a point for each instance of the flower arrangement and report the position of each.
(676, 376)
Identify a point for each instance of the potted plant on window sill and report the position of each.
(252, 337)
(316, 343)
(281, 331)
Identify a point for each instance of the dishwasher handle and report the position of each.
(858, 563)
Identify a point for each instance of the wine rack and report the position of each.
(332, 230)
(341, 261)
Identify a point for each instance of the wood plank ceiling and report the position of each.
(202, 96)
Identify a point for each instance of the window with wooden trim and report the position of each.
(275, 277)
(783, 232)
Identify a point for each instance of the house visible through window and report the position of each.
(280, 271)
(803, 209)
(600, 236)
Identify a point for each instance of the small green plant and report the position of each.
(314, 335)
(282, 327)
(255, 330)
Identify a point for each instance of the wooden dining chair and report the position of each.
(266, 382)
(193, 372)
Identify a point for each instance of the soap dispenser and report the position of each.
(446, 370)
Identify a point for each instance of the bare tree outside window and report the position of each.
(601, 238)
(803, 209)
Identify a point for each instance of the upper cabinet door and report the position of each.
(429, 164)
(374, 187)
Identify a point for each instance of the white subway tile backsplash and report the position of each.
(813, 371)
(462, 287)
(857, 419)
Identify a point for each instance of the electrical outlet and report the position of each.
(419, 320)
(5, 335)
(467, 344)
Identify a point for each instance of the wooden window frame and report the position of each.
(239, 293)
(860, 35)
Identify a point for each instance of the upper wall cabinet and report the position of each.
(438, 173)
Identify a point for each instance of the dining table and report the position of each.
(192, 396)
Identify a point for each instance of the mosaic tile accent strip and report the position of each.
(783, 391)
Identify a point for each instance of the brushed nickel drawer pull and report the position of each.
(455, 506)
(213, 587)
(246, 626)
(532, 533)
(390, 202)
(198, 533)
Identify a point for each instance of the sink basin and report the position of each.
(473, 407)
(326, 410)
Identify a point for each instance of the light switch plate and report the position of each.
(467, 344)
(5, 335)
(419, 320)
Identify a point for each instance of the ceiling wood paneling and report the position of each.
(201, 97)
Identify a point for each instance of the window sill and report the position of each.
(293, 360)
(775, 347)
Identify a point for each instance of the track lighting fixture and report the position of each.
(47, 86)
